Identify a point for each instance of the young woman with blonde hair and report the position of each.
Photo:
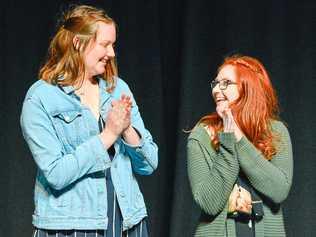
(86, 136)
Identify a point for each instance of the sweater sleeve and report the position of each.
(212, 174)
(271, 178)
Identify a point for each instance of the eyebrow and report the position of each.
(224, 78)
(105, 41)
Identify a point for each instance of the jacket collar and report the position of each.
(104, 95)
(68, 89)
(102, 85)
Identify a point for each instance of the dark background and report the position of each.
(168, 52)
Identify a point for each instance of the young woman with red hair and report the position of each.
(240, 157)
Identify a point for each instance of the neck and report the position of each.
(86, 81)
(82, 86)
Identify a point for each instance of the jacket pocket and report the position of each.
(70, 127)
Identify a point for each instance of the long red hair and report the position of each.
(255, 107)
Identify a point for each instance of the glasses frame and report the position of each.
(223, 84)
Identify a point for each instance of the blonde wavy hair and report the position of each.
(64, 65)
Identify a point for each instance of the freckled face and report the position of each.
(98, 52)
(229, 94)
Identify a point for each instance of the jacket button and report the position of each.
(122, 195)
(115, 166)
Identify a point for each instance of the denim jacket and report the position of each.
(63, 136)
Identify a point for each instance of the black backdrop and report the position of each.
(168, 51)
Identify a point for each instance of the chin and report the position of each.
(100, 71)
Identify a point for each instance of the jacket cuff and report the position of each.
(99, 152)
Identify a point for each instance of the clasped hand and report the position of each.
(229, 123)
(119, 117)
(239, 200)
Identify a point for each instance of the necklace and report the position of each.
(81, 91)
(89, 96)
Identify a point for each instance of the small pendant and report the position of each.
(250, 224)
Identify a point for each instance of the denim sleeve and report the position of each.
(59, 169)
(144, 157)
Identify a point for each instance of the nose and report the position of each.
(110, 51)
(216, 89)
(218, 92)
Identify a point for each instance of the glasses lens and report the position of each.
(223, 84)
(213, 83)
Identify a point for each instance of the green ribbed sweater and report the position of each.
(212, 175)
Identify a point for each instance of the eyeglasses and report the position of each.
(222, 84)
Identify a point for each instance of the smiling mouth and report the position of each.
(104, 60)
(218, 100)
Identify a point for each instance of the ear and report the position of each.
(76, 42)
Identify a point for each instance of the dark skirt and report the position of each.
(245, 224)
(114, 222)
